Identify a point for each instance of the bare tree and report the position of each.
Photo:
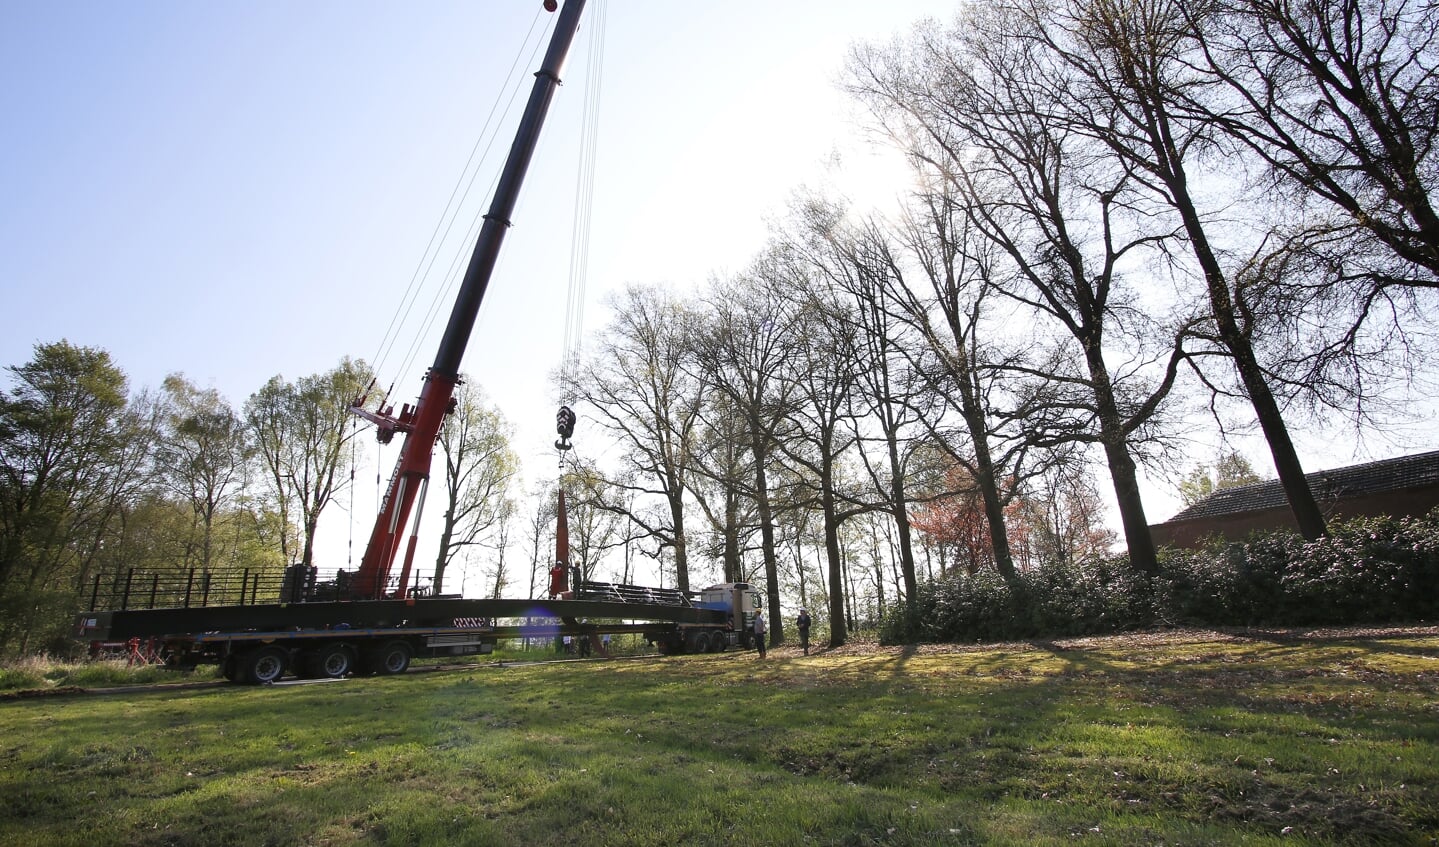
(1063, 516)
(931, 278)
(302, 433)
(645, 394)
(981, 115)
(745, 345)
(479, 469)
(824, 374)
(720, 473)
(501, 546)
(1334, 99)
(593, 517)
(1338, 98)
(539, 523)
(1125, 76)
(888, 393)
(202, 454)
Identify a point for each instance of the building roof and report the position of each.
(1405, 472)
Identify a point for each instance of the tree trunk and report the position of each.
(308, 558)
(901, 523)
(766, 531)
(1122, 472)
(1307, 515)
(677, 517)
(993, 512)
(1137, 538)
(732, 571)
(1170, 162)
(443, 558)
(972, 410)
(837, 630)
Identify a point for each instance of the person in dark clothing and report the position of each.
(803, 622)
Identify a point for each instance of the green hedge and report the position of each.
(1368, 570)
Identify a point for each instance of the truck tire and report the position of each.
(392, 657)
(718, 641)
(698, 641)
(230, 668)
(333, 661)
(262, 666)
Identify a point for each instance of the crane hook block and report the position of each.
(565, 426)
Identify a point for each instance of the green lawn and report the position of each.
(1173, 739)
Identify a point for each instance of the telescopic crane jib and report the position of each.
(421, 423)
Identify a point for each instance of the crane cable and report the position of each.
(584, 193)
(354, 456)
(580, 235)
(459, 261)
(464, 184)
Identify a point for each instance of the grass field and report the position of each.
(1178, 739)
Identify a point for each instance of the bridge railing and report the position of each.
(184, 588)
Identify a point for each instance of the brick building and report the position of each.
(1406, 486)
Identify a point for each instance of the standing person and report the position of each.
(558, 588)
(803, 622)
(759, 632)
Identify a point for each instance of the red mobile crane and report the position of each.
(364, 627)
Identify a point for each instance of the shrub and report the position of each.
(976, 608)
(43, 671)
(1199, 587)
(22, 675)
(1367, 570)
(1092, 596)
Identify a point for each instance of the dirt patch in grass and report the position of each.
(1310, 812)
(29, 693)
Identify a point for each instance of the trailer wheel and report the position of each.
(261, 666)
(389, 658)
(718, 641)
(698, 641)
(230, 668)
(330, 662)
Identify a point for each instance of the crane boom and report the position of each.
(421, 423)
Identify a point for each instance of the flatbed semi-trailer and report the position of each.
(261, 643)
(122, 624)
